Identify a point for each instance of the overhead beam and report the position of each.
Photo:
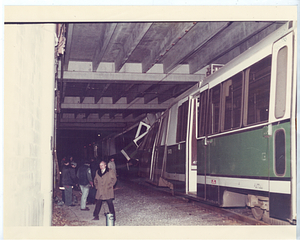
(129, 43)
(126, 114)
(137, 114)
(118, 92)
(106, 118)
(100, 94)
(126, 92)
(154, 92)
(76, 76)
(174, 92)
(195, 37)
(100, 114)
(103, 44)
(112, 115)
(236, 34)
(160, 38)
(84, 93)
(137, 90)
(98, 126)
(102, 106)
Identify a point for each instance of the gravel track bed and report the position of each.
(139, 205)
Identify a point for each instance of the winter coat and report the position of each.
(68, 176)
(104, 184)
(84, 175)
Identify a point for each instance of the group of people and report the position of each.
(96, 182)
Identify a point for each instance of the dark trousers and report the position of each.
(99, 204)
(92, 195)
(68, 195)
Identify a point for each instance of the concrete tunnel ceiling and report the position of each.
(111, 75)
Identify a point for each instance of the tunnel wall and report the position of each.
(28, 124)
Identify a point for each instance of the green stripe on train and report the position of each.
(248, 153)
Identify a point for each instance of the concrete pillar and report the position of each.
(28, 123)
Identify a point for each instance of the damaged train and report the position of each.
(231, 139)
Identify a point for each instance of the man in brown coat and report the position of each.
(104, 182)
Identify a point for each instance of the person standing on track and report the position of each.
(104, 181)
(92, 193)
(68, 180)
(85, 182)
(112, 166)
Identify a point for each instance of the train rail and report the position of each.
(238, 214)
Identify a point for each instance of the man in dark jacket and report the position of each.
(85, 182)
(68, 180)
(92, 193)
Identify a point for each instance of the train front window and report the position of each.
(232, 96)
(259, 91)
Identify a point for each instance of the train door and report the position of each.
(181, 136)
(159, 151)
(282, 142)
(191, 148)
(202, 102)
(175, 162)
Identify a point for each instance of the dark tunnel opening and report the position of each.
(86, 144)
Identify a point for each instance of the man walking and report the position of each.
(85, 182)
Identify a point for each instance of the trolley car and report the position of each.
(231, 139)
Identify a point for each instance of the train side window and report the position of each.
(232, 101)
(281, 79)
(182, 122)
(280, 160)
(214, 109)
(259, 91)
(202, 113)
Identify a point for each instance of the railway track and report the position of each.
(190, 202)
(242, 215)
(238, 214)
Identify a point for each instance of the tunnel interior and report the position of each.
(86, 144)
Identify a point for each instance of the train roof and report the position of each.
(253, 54)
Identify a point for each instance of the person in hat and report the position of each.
(104, 181)
(85, 181)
